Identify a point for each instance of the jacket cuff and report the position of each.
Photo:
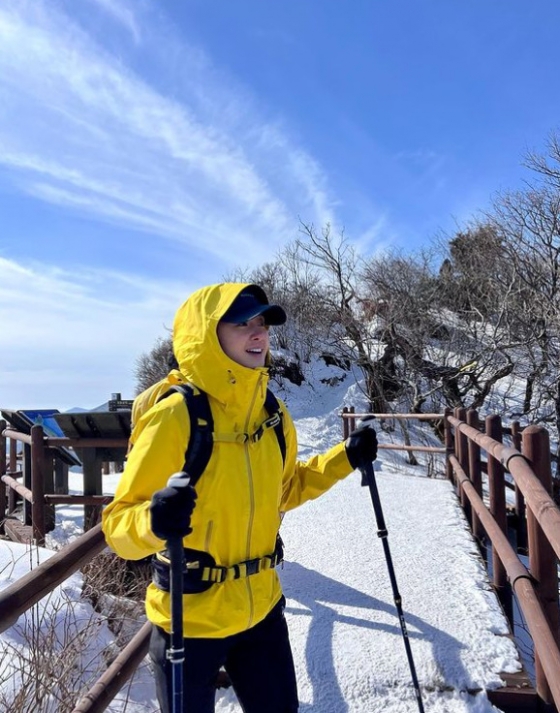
(338, 460)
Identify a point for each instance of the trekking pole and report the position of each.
(176, 653)
(368, 478)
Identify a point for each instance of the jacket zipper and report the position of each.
(208, 539)
(252, 499)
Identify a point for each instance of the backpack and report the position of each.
(201, 571)
(201, 443)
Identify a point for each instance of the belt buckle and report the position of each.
(252, 566)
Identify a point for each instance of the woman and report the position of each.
(232, 516)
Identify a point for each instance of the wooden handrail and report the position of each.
(536, 497)
(86, 442)
(522, 583)
(110, 683)
(398, 447)
(537, 593)
(78, 499)
(34, 585)
(16, 435)
(416, 416)
(18, 487)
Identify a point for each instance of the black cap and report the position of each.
(248, 304)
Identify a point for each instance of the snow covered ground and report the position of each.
(345, 633)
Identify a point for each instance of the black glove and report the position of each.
(171, 508)
(361, 444)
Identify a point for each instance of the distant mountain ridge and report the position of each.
(79, 409)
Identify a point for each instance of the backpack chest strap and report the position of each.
(202, 436)
(271, 422)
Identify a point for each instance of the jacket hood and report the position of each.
(196, 345)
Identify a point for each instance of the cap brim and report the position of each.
(273, 315)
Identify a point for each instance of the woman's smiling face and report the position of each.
(246, 343)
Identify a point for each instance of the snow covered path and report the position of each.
(345, 630)
(346, 637)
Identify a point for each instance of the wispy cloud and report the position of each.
(122, 13)
(75, 335)
(428, 166)
(82, 130)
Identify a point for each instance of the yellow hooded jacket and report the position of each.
(242, 492)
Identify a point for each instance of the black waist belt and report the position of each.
(201, 571)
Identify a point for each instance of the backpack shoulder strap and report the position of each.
(273, 407)
(201, 443)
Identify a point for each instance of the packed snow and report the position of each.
(347, 641)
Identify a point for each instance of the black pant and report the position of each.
(259, 663)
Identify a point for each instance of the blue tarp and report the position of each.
(44, 418)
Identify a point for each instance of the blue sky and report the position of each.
(150, 147)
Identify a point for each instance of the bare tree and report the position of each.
(337, 265)
(155, 364)
(529, 223)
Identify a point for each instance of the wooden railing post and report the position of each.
(344, 424)
(449, 445)
(516, 435)
(497, 496)
(38, 484)
(2, 472)
(461, 444)
(12, 467)
(352, 420)
(26, 467)
(60, 477)
(93, 484)
(13, 455)
(48, 487)
(475, 472)
(520, 512)
(542, 559)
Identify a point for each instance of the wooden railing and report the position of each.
(32, 587)
(533, 515)
(537, 520)
(41, 490)
(477, 482)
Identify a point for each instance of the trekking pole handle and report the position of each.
(366, 421)
(179, 480)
